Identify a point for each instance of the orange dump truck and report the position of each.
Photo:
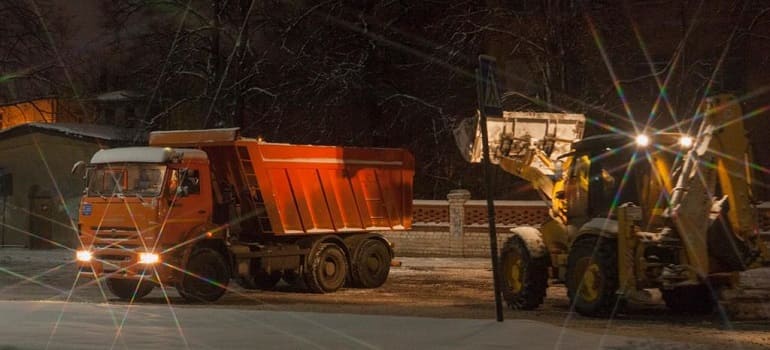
(197, 208)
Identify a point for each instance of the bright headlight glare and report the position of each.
(642, 140)
(83, 255)
(149, 258)
(686, 141)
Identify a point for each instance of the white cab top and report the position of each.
(146, 155)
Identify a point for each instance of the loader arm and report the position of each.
(715, 180)
(524, 144)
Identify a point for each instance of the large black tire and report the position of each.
(208, 278)
(524, 279)
(292, 278)
(261, 280)
(370, 265)
(690, 299)
(592, 276)
(327, 269)
(127, 289)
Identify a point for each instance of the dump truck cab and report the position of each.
(140, 202)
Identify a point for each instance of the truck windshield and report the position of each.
(144, 180)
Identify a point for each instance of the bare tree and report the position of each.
(31, 33)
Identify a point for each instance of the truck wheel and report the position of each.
(371, 265)
(262, 280)
(592, 276)
(525, 279)
(127, 289)
(208, 278)
(690, 299)
(294, 279)
(327, 268)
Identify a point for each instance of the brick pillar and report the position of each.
(457, 199)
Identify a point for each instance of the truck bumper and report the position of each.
(126, 265)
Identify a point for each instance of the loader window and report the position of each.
(607, 172)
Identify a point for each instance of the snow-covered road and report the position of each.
(33, 325)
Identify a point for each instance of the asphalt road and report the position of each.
(421, 287)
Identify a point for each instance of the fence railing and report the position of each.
(458, 226)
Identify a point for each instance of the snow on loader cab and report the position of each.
(195, 208)
(628, 213)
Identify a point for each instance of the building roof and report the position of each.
(75, 130)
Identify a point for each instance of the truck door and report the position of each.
(189, 200)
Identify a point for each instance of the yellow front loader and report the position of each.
(628, 212)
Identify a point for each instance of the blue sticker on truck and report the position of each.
(87, 209)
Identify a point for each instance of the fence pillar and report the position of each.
(457, 199)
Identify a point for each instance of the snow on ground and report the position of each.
(33, 325)
(426, 303)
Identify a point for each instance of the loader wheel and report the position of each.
(690, 299)
(371, 264)
(261, 280)
(592, 276)
(207, 277)
(327, 269)
(127, 289)
(525, 279)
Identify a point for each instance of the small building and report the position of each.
(41, 110)
(39, 197)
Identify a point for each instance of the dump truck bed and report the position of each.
(307, 189)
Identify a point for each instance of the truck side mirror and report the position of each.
(77, 167)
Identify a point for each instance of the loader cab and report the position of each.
(609, 170)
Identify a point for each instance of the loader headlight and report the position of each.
(83, 256)
(642, 140)
(686, 142)
(149, 258)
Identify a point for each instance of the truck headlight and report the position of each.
(685, 142)
(642, 140)
(83, 256)
(149, 258)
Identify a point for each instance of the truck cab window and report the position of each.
(191, 181)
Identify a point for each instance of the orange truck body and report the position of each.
(266, 208)
(309, 189)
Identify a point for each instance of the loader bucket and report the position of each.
(517, 132)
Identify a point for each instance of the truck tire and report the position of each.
(371, 264)
(293, 278)
(208, 276)
(127, 289)
(327, 269)
(689, 299)
(524, 279)
(261, 280)
(592, 276)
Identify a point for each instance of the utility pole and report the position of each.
(489, 105)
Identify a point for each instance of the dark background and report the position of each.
(386, 72)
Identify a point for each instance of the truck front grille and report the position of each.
(116, 237)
